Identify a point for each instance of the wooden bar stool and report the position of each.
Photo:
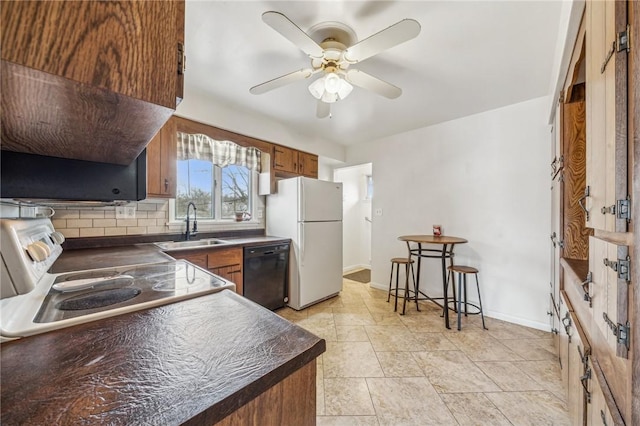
(408, 264)
(462, 272)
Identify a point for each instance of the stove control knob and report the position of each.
(57, 237)
(38, 251)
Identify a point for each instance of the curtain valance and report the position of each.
(221, 153)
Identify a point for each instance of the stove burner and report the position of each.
(98, 299)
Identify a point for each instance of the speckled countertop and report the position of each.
(195, 361)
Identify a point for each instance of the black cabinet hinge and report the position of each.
(623, 41)
(621, 331)
(621, 266)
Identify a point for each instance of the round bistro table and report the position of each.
(444, 252)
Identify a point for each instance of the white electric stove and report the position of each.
(34, 301)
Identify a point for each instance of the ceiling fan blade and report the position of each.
(293, 33)
(281, 81)
(389, 37)
(369, 82)
(323, 109)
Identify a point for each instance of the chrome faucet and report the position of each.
(188, 234)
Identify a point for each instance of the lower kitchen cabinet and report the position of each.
(227, 263)
(574, 355)
(224, 262)
(289, 402)
(598, 413)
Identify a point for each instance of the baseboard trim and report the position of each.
(354, 268)
(490, 314)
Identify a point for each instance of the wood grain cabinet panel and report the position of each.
(606, 92)
(228, 264)
(90, 80)
(224, 262)
(161, 163)
(289, 402)
(285, 159)
(578, 353)
(308, 164)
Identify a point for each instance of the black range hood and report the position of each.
(30, 176)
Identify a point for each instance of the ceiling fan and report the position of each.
(332, 55)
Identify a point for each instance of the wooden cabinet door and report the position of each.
(598, 412)
(107, 69)
(609, 290)
(563, 340)
(285, 159)
(161, 163)
(606, 82)
(127, 47)
(579, 351)
(199, 259)
(308, 165)
(228, 264)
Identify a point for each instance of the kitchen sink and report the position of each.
(192, 244)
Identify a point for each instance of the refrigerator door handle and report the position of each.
(301, 244)
(301, 212)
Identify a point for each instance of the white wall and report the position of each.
(484, 178)
(356, 231)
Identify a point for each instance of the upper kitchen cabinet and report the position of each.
(288, 162)
(161, 162)
(308, 164)
(285, 160)
(607, 44)
(89, 80)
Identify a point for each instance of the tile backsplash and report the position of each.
(151, 217)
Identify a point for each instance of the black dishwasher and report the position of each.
(266, 275)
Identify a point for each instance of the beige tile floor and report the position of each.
(382, 368)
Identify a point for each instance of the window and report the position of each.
(218, 192)
(369, 190)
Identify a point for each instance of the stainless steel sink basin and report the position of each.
(192, 244)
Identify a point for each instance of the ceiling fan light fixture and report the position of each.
(330, 88)
(331, 83)
(317, 88)
(344, 89)
(329, 97)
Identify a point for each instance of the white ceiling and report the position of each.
(469, 57)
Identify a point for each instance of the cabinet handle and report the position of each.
(583, 381)
(603, 417)
(585, 288)
(166, 185)
(580, 202)
(278, 165)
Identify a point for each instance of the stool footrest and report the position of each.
(473, 305)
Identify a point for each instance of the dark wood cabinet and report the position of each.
(285, 159)
(161, 163)
(89, 80)
(288, 162)
(225, 262)
(308, 164)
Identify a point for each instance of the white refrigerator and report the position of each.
(309, 211)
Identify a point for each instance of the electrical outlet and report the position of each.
(125, 212)
(129, 212)
(378, 212)
(259, 213)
